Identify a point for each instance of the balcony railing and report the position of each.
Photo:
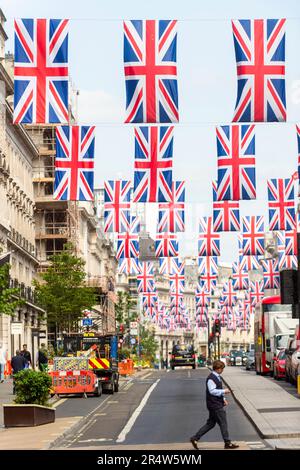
(104, 282)
(59, 230)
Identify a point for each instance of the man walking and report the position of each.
(215, 402)
(18, 363)
(42, 358)
(25, 353)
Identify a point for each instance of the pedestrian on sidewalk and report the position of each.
(215, 402)
(18, 363)
(25, 353)
(3, 359)
(42, 358)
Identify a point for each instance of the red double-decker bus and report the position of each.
(273, 326)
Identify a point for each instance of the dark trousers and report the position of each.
(215, 417)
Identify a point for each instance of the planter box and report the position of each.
(27, 415)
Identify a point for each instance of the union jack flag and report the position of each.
(271, 273)
(171, 214)
(177, 276)
(153, 164)
(151, 70)
(280, 240)
(231, 320)
(260, 57)
(248, 302)
(145, 278)
(253, 235)
(74, 163)
(236, 162)
(288, 262)
(202, 315)
(117, 195)
(166, 245)
(291, 246)
(129, 266)
(240, 245)
(256, 292)
(208, 241)
(298, 143)
(281, 204)
(250, 263)
(149, 299)
(240, 276)
(208, 271)
(41, 71)
(165, 266)
(229, 294)
(128, 242)
(226, 214)
(176, 303)
(202, 297)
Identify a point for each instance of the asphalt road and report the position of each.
(174, 410)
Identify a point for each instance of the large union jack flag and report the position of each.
(208, 271)
(288, 262)
(145, 278)
(129, 266)
(253, 235)
(177, 276)
(271, 273)
(117, 195)
(260, 57)
(41, 71)
(256, 292)
(229, 294)
(149, 299)
(236, 162)
(240, 276)
(281, 204)
(74, 163)
(128, 242)
(151, 71)
(291, 242)
(202, 296)
(153, 164)
(165, 266)
(166, 245)
(226, 214)
(208, 241)
(171, 214)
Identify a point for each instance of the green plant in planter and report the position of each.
(32, 387)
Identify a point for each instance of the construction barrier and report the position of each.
(73, 381)
(8, 369)
(126, 367)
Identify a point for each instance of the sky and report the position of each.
(207, 92)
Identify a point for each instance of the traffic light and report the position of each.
(217, 327)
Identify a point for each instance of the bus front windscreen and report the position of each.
(277, 308)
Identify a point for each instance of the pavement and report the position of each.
(274, 412)
(41, 437)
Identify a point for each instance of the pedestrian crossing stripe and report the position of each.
(95, 363)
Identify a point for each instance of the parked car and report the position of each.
(279, 365)
(250, 361)
(236, 357)
(183, 355)
(292, 361)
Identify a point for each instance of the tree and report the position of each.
(148, 343)
(9, 300)
(123, 308)
(62, 292)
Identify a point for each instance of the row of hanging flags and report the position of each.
(41, 77)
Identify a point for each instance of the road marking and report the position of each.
(128, 386)
(100, 414)
(168, 370)
(102, 439)
(189, 374)
(136, 413)
(110, 402)
(147, 375)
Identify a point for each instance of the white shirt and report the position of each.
(212, 388)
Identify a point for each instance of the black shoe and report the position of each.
(194, 443)
(230, 445)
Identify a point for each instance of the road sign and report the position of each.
(87, 322)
